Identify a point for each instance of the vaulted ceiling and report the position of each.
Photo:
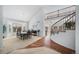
(25, 12)
(19, 12)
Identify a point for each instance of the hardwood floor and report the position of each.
(50, 44)
(61, 48)
(38, 43)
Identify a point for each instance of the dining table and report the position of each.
(23, 35)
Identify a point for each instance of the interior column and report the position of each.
(1, 27)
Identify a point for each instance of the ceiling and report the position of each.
(25, 12)
(19, 12)
(51, 8)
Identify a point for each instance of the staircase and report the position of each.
(62, 32)
(62, 29)
(66, 19)
(66, 23)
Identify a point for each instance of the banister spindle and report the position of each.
(58, 13)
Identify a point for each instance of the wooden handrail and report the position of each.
(71, 17)
(63, 18)
(60, 15)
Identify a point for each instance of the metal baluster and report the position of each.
(58, 13)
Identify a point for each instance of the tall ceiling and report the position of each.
(25, 12)
(51, 8)
(19, 12)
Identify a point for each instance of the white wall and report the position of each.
(66, 39)
(7, 22)
(38, 20)
(1, 26)
(77, 29)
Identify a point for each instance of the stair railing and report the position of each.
(64, 21)
(60, 13)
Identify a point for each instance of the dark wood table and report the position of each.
(23, 35)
